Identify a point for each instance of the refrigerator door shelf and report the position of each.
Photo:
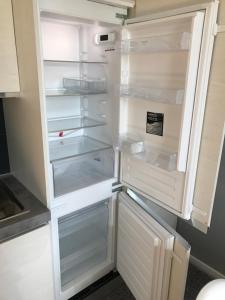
(130, 143)
(137, 149)
(158, 158)
(179, 41)
(154, 94)
(160, 185)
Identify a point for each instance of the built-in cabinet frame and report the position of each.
(9, 73)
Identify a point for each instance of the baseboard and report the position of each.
(205, 268)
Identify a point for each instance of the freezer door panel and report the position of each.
(145, 257)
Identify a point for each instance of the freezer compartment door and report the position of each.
(151, 258)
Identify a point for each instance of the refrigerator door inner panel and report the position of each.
(145, 252)
(159, 72)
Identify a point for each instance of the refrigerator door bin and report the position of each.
(83, 241)
(130, 143)
(81, 171)
(153, 156)
(154, 94)
(153, 175)
(85, 86)
(179, 41)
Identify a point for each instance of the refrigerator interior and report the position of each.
(81, 101)
(83, 241)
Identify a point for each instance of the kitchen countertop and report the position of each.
(36, 216)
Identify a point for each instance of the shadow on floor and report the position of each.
(112, 287)
(196, 280)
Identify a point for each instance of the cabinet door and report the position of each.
(9, 78)
(165, 68)
(26, 267)
(151, 259)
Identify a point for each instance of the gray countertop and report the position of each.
(36, 216)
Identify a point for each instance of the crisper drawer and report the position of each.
(78, 172)
(83, 241)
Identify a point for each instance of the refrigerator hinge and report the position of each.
(117, 187)
(122, 17)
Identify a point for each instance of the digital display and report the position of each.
(104, 37)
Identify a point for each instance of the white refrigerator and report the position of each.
(122, 115)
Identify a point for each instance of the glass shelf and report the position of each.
(75, 146)
(85, 86)
(73, 61)
(64, 124)
(161, 95)
(162, 43)
(68, 92)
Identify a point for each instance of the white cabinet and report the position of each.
(26, 267)
(9, 77)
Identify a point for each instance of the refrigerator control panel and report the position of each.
(102, 39)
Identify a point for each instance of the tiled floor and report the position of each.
(195, 282)
(115, 289)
